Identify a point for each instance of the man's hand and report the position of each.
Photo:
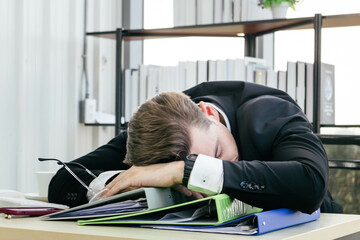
(155, 175)
(189, 193)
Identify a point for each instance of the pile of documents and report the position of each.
(164, 208)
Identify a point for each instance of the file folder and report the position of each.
(269, 221)
(212, 210)
(254, 224)
(153, 197)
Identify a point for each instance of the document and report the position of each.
(112, 208)
(138, 200)
(212, 210)
(11, 198)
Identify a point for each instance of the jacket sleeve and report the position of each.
(283, 162)
(65, 189)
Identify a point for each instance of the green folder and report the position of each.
(212, 210)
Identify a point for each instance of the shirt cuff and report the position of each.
(99, 182)
(207, 175)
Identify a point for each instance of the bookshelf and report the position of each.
(249, 30)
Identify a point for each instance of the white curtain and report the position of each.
(41, 83)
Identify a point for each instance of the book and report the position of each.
(153, 82)
(134, 91)
(254, 224)
(205, 12)
(327, 96)
(240, 70)
(271, 78)
(236, 10)
(231, 69)
(137, 200)
(211, 210)
(162, 79)
(282, 80)
(211, 70)
(300, 84)
(220, 70)
(173, 79)
(142, 83)
(146, 81)
(227, 15)
(309, 83)
(182, 76)
(202, 71)
(218, 11)
(190, 74)
(291, 79)
(190, 12)
(179, 7)
(250, 72)
(127, 75)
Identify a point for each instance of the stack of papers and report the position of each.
(112, 208)
(11, 198)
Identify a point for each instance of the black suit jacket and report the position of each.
(282, 163)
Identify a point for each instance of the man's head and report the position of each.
(170, 126)
(160, 130)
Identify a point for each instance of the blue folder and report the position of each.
(254, 224)
(269, 221)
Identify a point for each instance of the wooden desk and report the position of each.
(329, 226)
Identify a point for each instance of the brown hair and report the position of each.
(160, 129)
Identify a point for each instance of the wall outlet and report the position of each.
(87, 110)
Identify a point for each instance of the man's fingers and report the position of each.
(187, 192)
(116, 185)
(184, 190)
(197, 195)
(114, 189)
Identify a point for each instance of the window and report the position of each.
(339, 47)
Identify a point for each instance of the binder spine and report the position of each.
(229, 209)
(282, 218)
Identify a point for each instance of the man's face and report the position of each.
(217, 141)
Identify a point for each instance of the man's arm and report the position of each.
(65, 189)
(284, 163)
(154, 175)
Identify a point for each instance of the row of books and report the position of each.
(149, 80)
(197, 12)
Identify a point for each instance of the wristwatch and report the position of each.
(189, 164)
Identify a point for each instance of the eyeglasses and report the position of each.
(96, 195)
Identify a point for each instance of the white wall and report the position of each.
(41, 84)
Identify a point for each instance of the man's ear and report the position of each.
(209, 111)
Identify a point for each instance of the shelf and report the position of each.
(234, 29)
(340, 139)
(99, 124)
(250, 30)
(339, 126)
(345, 164)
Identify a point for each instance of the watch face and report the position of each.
(191, 157)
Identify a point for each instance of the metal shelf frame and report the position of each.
(249, 30)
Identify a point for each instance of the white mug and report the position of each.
(43, 179)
